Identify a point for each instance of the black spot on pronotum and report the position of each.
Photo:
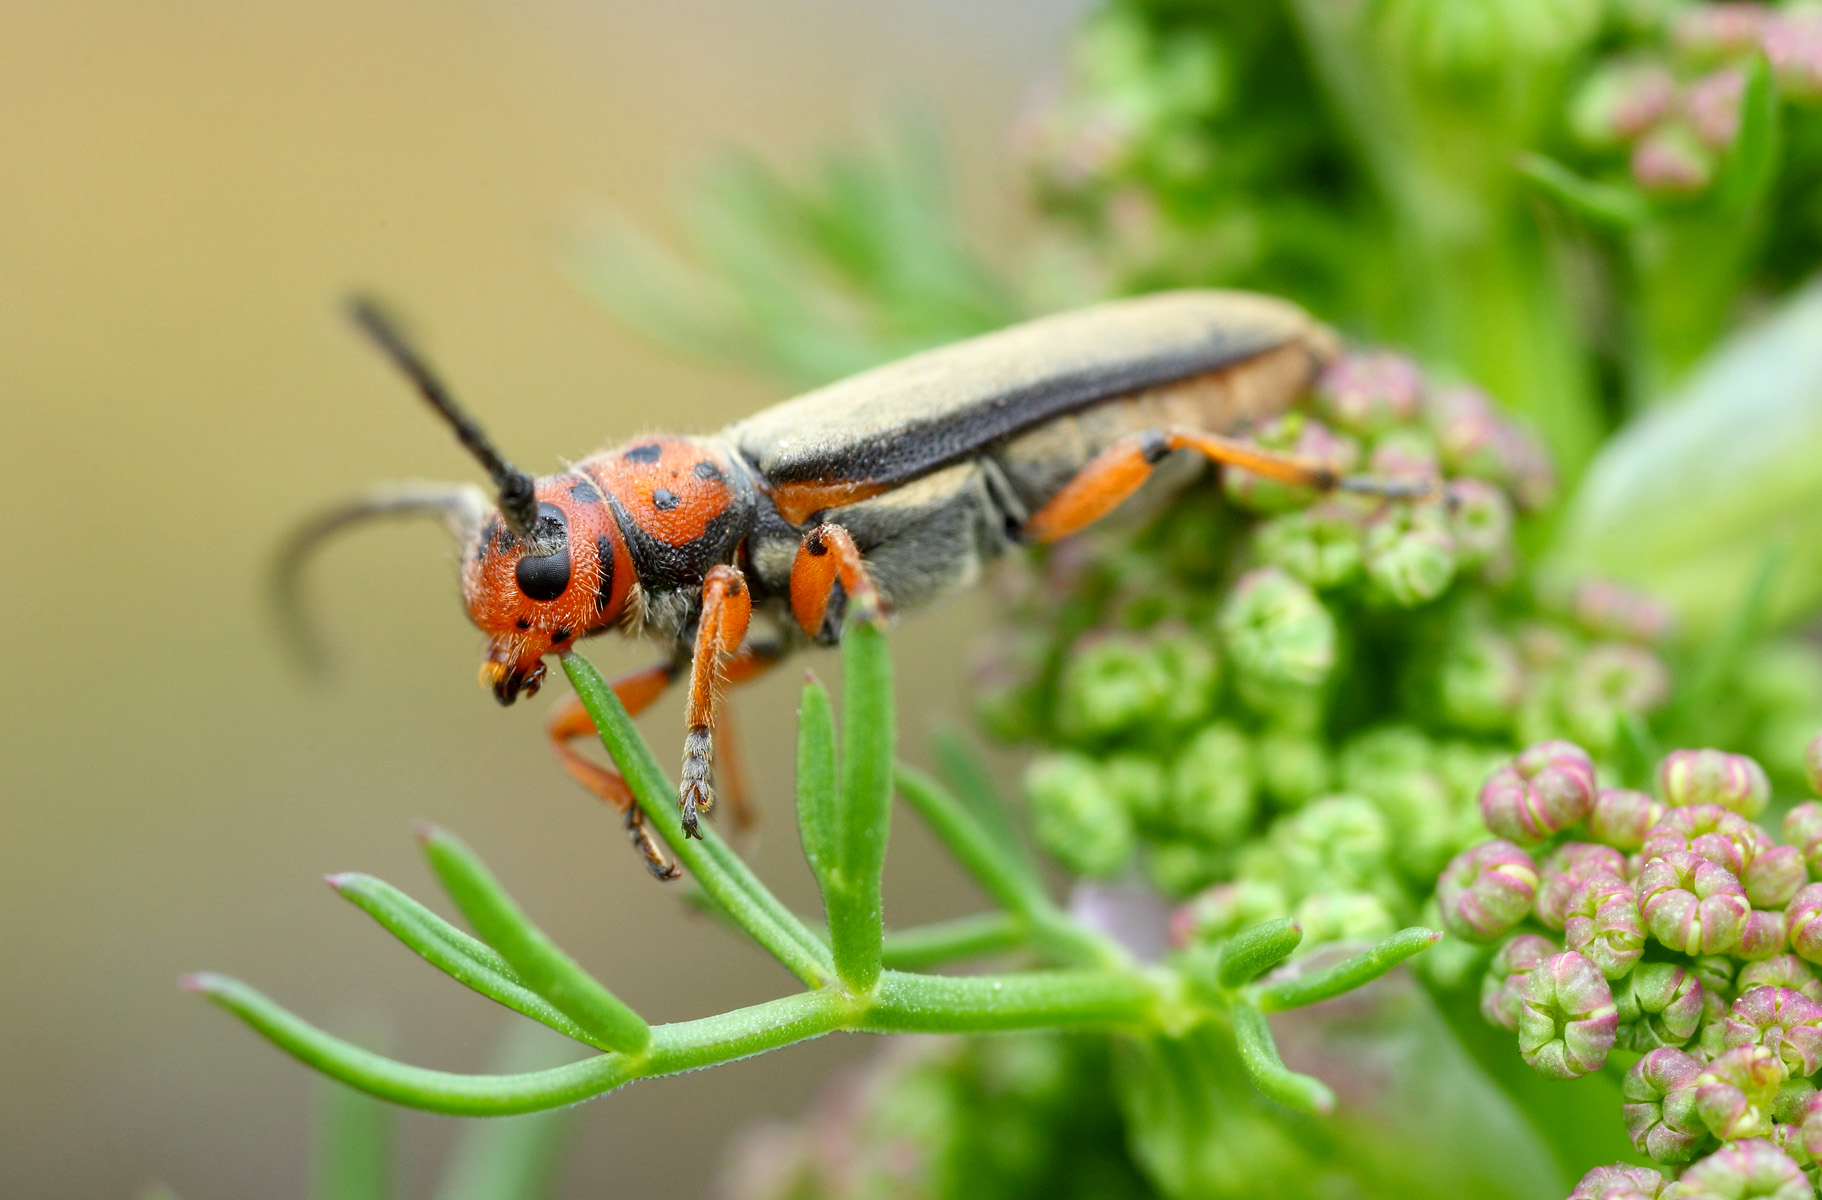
(708, 471)
(649, 453)
(604, 591)
(663, 499)
(522, 623)
(546, 576)
(583, 492)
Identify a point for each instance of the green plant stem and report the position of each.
(926, 946)
(719, 870)
(901, 1003)
(1259, 1055)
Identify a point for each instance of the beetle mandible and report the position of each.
(871, 496)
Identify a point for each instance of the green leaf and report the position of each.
(1750, 170)
(1685, 500)
(979, 852)
(719, 870)
(511, 1158)
(354, 1146)
(1259, 1055)
(1252, 952)
(1345, 976)
(960, 766)
(1603, 203)
(817, 814)
(467, 960)
(934, 945)
(856, 916)
(544, 968)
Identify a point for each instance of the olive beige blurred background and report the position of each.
(186, 190)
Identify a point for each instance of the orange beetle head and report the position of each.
(535, 595)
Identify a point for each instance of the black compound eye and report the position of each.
(546, 576)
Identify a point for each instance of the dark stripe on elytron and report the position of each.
(663, 499)
(911, 450)
(583, 492)
(708, 471)
(651, 452)
(604, 592)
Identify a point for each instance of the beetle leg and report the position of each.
(727, 606)
(829, 556)
(730, 764)
(571, 721)
(1118, 471)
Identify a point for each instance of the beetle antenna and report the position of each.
(518, 498)
(460, 506)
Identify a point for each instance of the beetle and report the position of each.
(871, 496)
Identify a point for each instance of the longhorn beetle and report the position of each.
(873, 495)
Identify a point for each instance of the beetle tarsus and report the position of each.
(1393, 489)
(696, 794)
(661, 868)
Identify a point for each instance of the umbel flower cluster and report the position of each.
(1668, 933)
(1295, 698)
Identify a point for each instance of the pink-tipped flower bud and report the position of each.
(1753, 1169)
(1765, 934)
(1803, 829)
(1659, 1109)
(1605, 609)
(1773, 876)
(1659, 1004)
(1621, 817)
(1502, 988)
(1785, 1022)
(1480, 518)
(1712, 104)
(1621, 100)
(1735, 1093)
(1486, 890)
(1710, 31)
(1619, 1182)
(1567, 1021)
(1710, 831)
(1568, 867)
(1371, 390)
(1540, 793)
(1812, 1127)
(1691, 904)
(1803, 916)
(1602, 922)
(1792, 40)
(1672, 160)
(1733, 781)
(1783, 971)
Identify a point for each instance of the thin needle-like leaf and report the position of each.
(468, 960)
(856, 916)
(959, 766)
(1345, 976)
(533, 956)
(926, 946)
(978, 851)
(1252, 952)
(816, 780)
(1259, 1055)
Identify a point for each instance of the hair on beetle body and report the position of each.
(873, 496)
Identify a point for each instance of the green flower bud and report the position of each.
(1747, 1170)
(1708, 830)
(1076, 818)
(1716, 974)
(1672, 160)
(1784, 1021)
(1621, 100)
(1187, 663)
(1409, 554)
(1219, 912)
(1480, 681)
(1659, 1109)
(1784, 971)
(1480, 520)
(1486, 891)
(1407, 455)
(1659, 1004)
(1139, 785)
(1544, 790)
(1692, 905)
(1109, 686)
(1299, 435)
(1735, 1093)
(1294, 768)
(1277, 631)
(1602, 608)
(1566, 1022)
(1487, 43)
(1180, 866)
(1618, 1182)
(1390, 767)
(1773, 876)
(1214, 786)
(1733, 781)
(1602, 922)
(1803, 830)
(1337, 843)
(1502, 988)
(1609, 684)
(1319, 545)
(1803, 917)
(1368, 392)
(1344, 917)
(1621, 818)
